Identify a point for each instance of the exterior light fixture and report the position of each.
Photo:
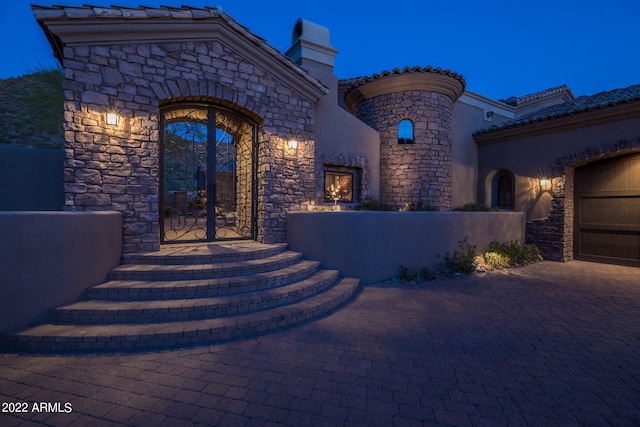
(113, 119)
(292, 144)
(545, 184)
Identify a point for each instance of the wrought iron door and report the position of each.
(208, 174)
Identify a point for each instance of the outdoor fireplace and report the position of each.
(341, 184)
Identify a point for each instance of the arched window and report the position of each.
(405, 132)
(503, 190)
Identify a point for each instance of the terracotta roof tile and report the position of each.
(515, 101)
(579, 105)
(416, 69)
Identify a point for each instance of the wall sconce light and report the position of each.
(113, 119)
(545, 184)
(292, 144)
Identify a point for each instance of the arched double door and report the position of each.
(208, 173)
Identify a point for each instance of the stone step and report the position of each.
(142, 290)
(105, 311)
(197, 253)
(165, 272)
(52, 337)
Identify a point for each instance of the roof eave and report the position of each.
(598, 116)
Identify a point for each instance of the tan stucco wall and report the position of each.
(338, 131)
(373, 245)
(48, 259)
(464, 153)
(530, 158)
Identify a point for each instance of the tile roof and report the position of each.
(357, 81)
(515, 101)
(579, 105)
(88, 11)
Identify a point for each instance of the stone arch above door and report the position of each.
(194, 91)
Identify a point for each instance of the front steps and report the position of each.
(192, 294)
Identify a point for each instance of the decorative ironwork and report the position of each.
(198, 205)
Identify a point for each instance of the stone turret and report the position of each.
(415, 168)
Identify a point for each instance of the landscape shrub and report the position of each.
(462, 260)
(424, 274)
(419, 207)
(474, 207)
(467, 259)
(512, 253)
(372, 204)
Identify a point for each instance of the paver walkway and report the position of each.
(544, 345)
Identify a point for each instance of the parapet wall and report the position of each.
(48, 259)
(373, 245)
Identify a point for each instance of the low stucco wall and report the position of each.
(48, 259)
(373, 245)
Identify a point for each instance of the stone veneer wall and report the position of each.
(359, 163)
(117, 168)
(549, 234)
(419, 172)
(244, 171)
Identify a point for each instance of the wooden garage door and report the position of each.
(607, 211)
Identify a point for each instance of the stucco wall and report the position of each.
(373, 245)
(530, 158)
(340, 135)
(552, 154)
(48, 259)
(468, 116)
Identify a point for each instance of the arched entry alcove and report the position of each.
(208, 174)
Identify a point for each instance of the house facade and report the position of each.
(195, 129)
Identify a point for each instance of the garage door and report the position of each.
(607, 211)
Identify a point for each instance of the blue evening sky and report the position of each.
(502, 48)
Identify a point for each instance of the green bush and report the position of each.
(510, 254)
(407, 275)
(419, 207)
(463, 260)
(371, 204)
(516, 253)
(495, 260)
(473, 207)
(467, 259)
(423, 275)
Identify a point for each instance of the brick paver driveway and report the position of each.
(547, 344)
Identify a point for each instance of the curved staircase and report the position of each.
(192, 294)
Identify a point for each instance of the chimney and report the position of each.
(311, 48)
